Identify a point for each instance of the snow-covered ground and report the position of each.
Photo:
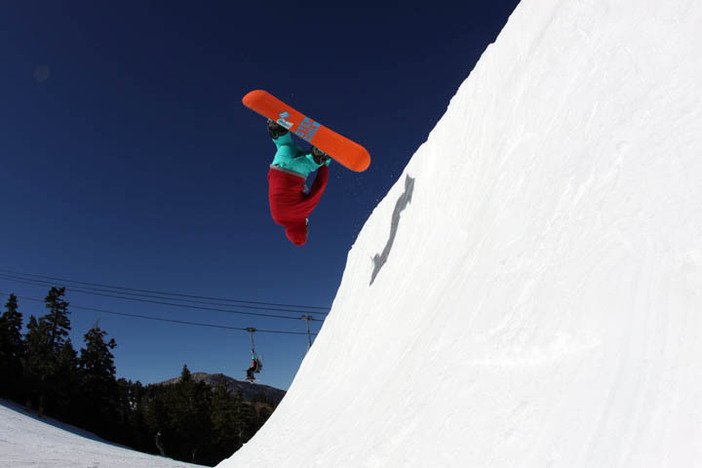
(529, 293)
(26, 442)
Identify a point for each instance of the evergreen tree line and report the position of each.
(188, 420)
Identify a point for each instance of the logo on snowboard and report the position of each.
(282, 122)
(307, 129)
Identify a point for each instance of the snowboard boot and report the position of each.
(275, 130)
(319, 156)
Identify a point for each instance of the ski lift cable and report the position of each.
(128, 290)
(155, 295)
(126, 295)
(159, 319)
(170, 304)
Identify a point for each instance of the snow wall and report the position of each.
(529, 293)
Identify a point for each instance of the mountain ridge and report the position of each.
(249, 391)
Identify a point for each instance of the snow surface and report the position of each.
(26, 442)
(529, 293)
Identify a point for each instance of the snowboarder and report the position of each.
(290, 202)
(254, 369)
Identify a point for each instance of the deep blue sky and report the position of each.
(127, 158)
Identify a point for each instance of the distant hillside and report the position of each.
(250, 392)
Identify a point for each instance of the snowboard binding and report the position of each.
(276, 130)
(319, 156)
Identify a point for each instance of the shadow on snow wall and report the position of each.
(380, 259)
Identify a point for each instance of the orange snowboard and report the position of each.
(346, 152)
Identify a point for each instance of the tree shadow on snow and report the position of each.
(49, 421)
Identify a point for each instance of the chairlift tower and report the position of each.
(308, 319)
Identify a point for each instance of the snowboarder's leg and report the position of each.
(287, 153)
(284, 140)
(303, 164)
(293, 159)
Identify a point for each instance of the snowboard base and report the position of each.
(346, 152)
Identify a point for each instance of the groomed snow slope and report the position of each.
(529, 293)
(29, 442)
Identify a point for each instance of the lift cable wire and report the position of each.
(170, 295)
(146, 317)
(149, 301)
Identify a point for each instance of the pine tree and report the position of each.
(97, 362)
(190, 418)
(57, 319)
(11, 349)
(12, 328)
(243, 420)
(132, 427)
(46, 341)
(225, 424)
(98, 383)
(154, 408)
(38, 364)
(64, 386)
